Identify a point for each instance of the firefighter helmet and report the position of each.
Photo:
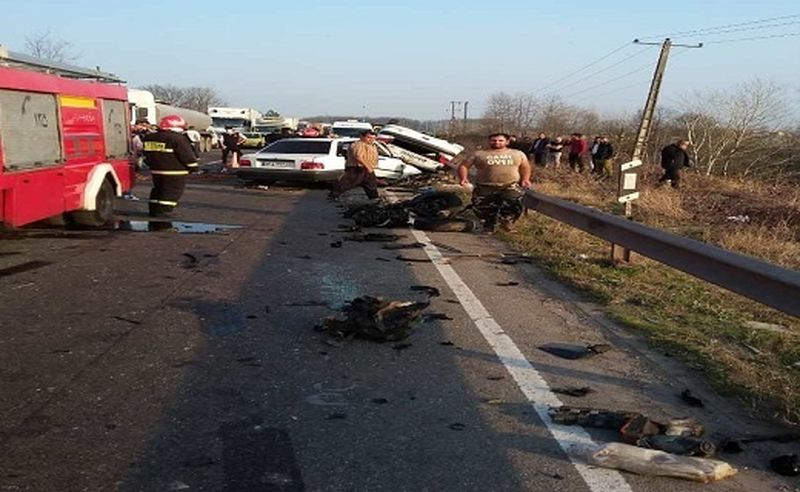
(172, 122)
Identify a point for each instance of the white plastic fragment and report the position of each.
(658, 463)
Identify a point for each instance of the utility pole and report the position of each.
(452, 129)
(628, 173)
(466, 103)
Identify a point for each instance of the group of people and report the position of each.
(545, 151)
(503, 172)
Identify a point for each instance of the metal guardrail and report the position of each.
(755, 279)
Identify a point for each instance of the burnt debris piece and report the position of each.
(573, 351)
(787, 465)
(375, 319)
(572, 390)
(690, 399)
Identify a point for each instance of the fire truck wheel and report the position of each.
(103, 212)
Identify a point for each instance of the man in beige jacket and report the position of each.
(359, 170)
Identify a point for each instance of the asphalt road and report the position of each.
(157, 360)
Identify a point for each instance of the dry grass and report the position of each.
(704, 325)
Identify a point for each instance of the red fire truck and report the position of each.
(64, 142)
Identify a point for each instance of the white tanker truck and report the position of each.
(145, 107)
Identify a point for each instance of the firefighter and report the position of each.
(170, 157)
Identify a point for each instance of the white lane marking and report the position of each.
(572, 439)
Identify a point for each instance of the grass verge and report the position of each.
(744, 348)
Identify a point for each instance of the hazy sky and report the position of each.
(411, 57)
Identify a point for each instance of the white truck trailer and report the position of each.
(144, 106)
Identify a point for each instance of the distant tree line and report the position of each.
(196, 98)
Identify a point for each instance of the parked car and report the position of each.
(313, 160)
(253, 140)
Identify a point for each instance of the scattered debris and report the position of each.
(373, 237)
(403, 246)
(684, 446)
(739, 219)
(571, 351)
(658, 463)
(572, 390)
(190, 260)
(379, 215)
(336, 244)
(684, 427)
(507, 284)
(430, 291)
(631, 425)
(440, 204)
(787, 465)
(402, 346)
(412, 260)
(376, 319)
(336, 416)
(690, 399)
(731, 446)
(638, 428)
(457, 426)
(554, 476)
(795, 365)
(431, 317)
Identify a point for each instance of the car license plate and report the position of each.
(281, 164)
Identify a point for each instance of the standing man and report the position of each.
(577, 152)
(674, 158)
(501, 175)
(603, 158)
(170, 157)
(554, 151)
(359, 170)
(539, 149)
(232, 142)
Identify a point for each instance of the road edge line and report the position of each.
(573, 440)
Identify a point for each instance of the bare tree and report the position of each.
(514, 114)
(196, 98)
(736, 133)
(46, 45)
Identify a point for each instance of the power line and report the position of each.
(592, 74)
(637, 70)
(726, 26)
(607, 55)
(785, 35)
(740, 29)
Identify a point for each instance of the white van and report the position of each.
(350, 128)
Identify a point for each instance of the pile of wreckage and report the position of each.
(431, 210)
